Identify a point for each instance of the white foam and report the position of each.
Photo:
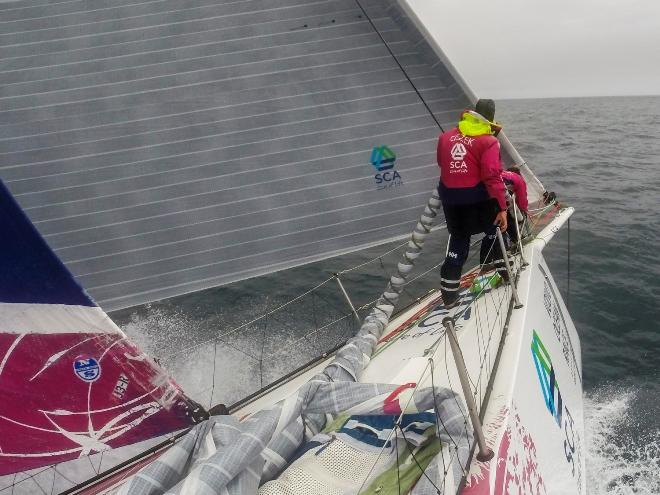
(617, 462)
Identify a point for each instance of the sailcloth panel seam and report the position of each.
(192, 72)
(254, 255)
(180, 48)
(9, 107)
(190, 59)
(158, 38)
(62, 248)
(284, 180)
(210, 6)
(224, 246)
(203, 284)
(211, 136)
(117, 122)
(261, 155)
(105, 140)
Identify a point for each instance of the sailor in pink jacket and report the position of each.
(517, 186)
(472, 193)
(515, 183)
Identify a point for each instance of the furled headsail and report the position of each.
(72, 383)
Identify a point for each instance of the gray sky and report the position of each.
(528, 48)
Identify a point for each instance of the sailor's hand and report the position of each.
(500, 220)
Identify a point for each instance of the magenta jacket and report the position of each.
(470, 168)
(517, 185)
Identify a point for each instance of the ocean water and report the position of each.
(600, 155)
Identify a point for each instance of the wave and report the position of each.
(623, 440)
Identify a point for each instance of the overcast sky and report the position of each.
(529, 48)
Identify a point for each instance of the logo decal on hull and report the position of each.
(546, 374)
(547, 378)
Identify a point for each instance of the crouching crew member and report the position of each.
(472, 193)
(515, 184)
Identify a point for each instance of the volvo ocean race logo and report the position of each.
(553, 402)
(546, 374)
(382, 159)
(87, 368)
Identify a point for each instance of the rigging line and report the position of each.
(396, 448)
(15, 483)
(458, 404)
(438, 420)
(373, 259)
(240, 327)
(63, 476)
(431, 364)
(382, 265)
(484, 355)
(479, 272)
(423, 274)
(568, 266)
(412, 454)
(498, 309)
(304, 337)
(399, 64)
(39, 486)
(234, 346)
(263, 346)
(536, 211)
(215, 358)
(393, 430)
(52, 485)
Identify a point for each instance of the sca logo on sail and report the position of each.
(382, 159)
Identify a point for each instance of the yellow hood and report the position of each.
(473, 124)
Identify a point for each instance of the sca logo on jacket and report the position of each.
(383, 160)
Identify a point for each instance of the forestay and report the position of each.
(162, 148)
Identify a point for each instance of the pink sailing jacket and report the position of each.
(470, 168)
(517, 185)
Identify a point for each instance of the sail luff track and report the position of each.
(162, 149)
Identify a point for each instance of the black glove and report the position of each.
(549, 197)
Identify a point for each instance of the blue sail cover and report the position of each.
(31, 273)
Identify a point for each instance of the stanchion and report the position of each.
(508, 268)
(348, 299)
(520, 246)
(485, 453)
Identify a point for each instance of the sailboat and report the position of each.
(153, 149)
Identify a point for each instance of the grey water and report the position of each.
(600, 155)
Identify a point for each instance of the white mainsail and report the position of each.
(162, 149)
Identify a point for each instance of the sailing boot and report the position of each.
(450, 273)
(450, 281)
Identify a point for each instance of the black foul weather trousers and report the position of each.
(463, 221)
